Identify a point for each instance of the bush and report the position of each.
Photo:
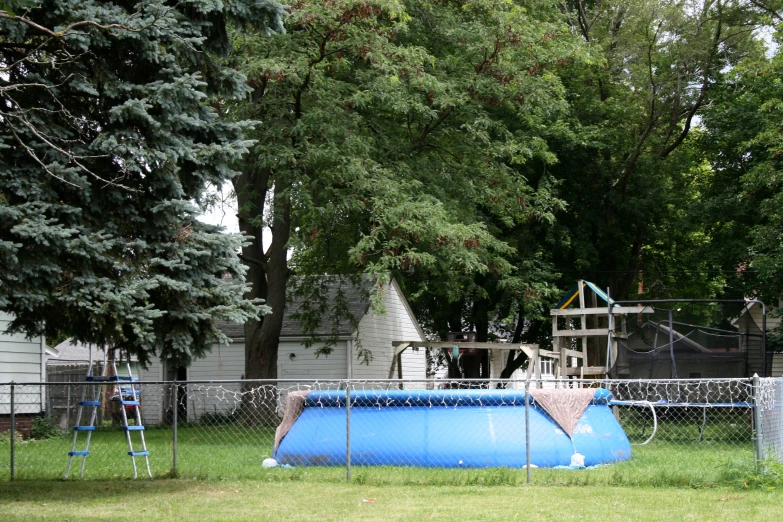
(44, 428)
(218, 419)
(5, 437)
(769, 476)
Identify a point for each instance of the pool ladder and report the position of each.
(95, 403)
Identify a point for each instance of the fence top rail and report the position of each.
(747, 380)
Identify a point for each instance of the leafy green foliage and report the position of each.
(768, 476)
(395, 138)
(743, 144)
(106, 142)
(630, 170)
(45, 428)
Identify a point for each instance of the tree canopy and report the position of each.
(394, 138)
(107, 140)
(486, 153)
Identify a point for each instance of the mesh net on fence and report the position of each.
(771, 415)
(687, 342)
(697, 431)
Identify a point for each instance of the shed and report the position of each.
(374, 331)
(749, 322)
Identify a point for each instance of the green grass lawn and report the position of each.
(236, 452)
(203, 452)
(674, 478)
(323, 501)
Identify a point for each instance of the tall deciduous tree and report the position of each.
(106, 140)
(744, 146)
(634, 115)
(393, 138)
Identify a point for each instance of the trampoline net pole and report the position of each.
(527, 429)
(757, 427)
(348, 431)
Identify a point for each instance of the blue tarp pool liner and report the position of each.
(448, 429)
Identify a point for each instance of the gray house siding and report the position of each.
(377, 331)
(749, 323)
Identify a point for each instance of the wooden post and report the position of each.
(610, 327)
(538, 366)
(393, 366)
(559, 345)
(399, 369)
(584, 320)
(593, 351)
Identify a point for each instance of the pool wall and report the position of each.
(447, 428)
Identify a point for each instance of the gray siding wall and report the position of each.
(20, 361)
(777, 365)
(222, 363)
(154, 372)
(152, 396)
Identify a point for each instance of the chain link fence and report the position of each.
(676, 432)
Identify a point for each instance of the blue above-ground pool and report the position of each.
(448, 428)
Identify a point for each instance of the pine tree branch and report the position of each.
(68, 29)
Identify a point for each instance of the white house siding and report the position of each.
(227, 363)
(152, 396)
(306, 365)
(756, 314)
(21, 360)
(376, 333)
(153, 372)
(222, 363)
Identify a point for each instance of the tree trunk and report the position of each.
(515, 361)
(268, 276)
(262, 337)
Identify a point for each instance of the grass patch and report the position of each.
(256, 500)
(229, 452)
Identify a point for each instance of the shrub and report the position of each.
(769, 476)
(6, 437)
(218, 419)
(44, 428)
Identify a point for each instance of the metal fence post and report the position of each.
(68, 406)
(348, 431)
(13, 429)
(175, 402)
(527, 429)
(757, 420)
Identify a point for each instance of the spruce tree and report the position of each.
(109, 134)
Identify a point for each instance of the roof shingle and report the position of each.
(335, 303)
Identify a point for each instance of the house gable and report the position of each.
(21, 360)
(376, 333)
